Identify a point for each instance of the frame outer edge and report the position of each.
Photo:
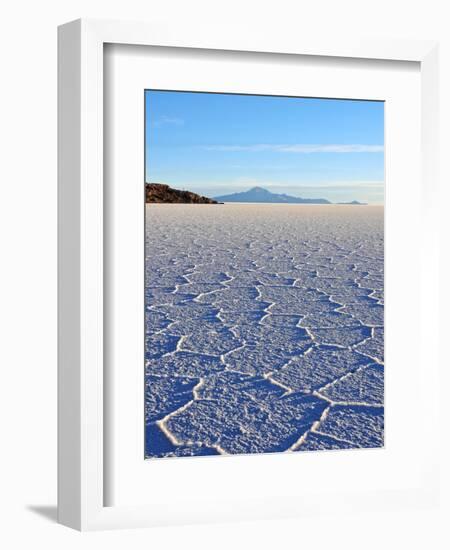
(91, 365)
(164, 33)
(80, 239)
(430, 254)
(69, 334)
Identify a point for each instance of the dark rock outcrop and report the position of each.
(160, 192)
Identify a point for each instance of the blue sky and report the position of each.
(216, 144)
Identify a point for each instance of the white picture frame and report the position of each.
(82, 484)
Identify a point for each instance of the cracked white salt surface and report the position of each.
(264, 328)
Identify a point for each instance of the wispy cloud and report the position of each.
(302, 148)
(167, 120)
(329, 185)
(243, 184)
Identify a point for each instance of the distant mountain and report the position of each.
(160, 192)
(353, 202)
(258, 194)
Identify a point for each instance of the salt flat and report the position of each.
(264, 328)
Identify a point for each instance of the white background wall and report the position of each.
(28, 269)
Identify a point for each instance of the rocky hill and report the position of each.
(160, 192)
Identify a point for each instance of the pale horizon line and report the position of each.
(293, 192)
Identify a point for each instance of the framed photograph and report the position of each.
(232, 214)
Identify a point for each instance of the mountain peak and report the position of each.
(259, 194)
